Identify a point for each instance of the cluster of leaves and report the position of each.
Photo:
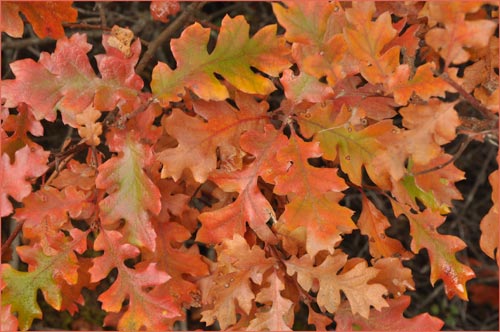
(363, 107)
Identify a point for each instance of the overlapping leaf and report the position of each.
(132, 194)
(145, 309)
(441, 248)
(46, 273)
(353, 283)
(198, 139)
(232, 58)
(46, 17)
(387, 319)
(489, 224)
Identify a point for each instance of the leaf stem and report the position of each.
(12, 236)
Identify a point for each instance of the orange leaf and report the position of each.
(373, 223)
(489, 224)
(46, 17)
(441, 249)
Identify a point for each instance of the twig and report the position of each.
(456, 155)
(166, 34)
(467, 96)
(86, 26)
(12, 236)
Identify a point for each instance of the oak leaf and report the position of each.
(353, 283)
(387, 319)
(161, 10)
(46, 18)
(232, 58)
(46, 273)
(373, 223)
(489, 225)
(28, 163)
(132, 195)
(441, 248)
(145, 309)
(277, 314)
(198, 139)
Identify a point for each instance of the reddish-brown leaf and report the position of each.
(16, 175)
(489, 224)
(161, 10)
(46, 17)
(387, 319)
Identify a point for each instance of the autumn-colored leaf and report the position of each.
(237, 266)
(373, 223)
(277, 314)
(441, 248)
(198, 139)
(489, 224)
(387, 319)
(423, 83)
(145, 309)
(46, 273)
(46, 211)
(394, 276)
(356, 148)
(232, 58)
(46, 17)
(132, 194)
(161, 10)
(429, 126)
(353, 283)
(29, 163)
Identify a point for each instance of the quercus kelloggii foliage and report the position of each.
(208, 155)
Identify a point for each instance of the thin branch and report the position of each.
(86, 26)
(12, 236)
(166, 35)
(468, 97)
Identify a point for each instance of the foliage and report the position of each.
(222, 189)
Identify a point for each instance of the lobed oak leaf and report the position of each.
(46, 211)
(429, 126)
(161, 10)
(20, 124)
(387, 319)
(313, 215)
(441, 249)
(452, 41)
(300, 177)
(353, 283)
(28, 163)
(366, 39)
(394, 276)
(304, 87)
(230, 282)
(423, 83)
(198, 140)
(307, 22)
(489, 224)
(145, 308)
(64, 80)
(321, 321)
(46, 18)
(132, 195)
(250, 206)
(88, 128)
(120, 84)
(373, 223)
(232, 58)
(45, 273)
(76, 174)
(277, 314)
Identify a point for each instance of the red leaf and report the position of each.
(388, 319)
(132, 194)
(161, 10)
(28, 163)
(489, 224)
